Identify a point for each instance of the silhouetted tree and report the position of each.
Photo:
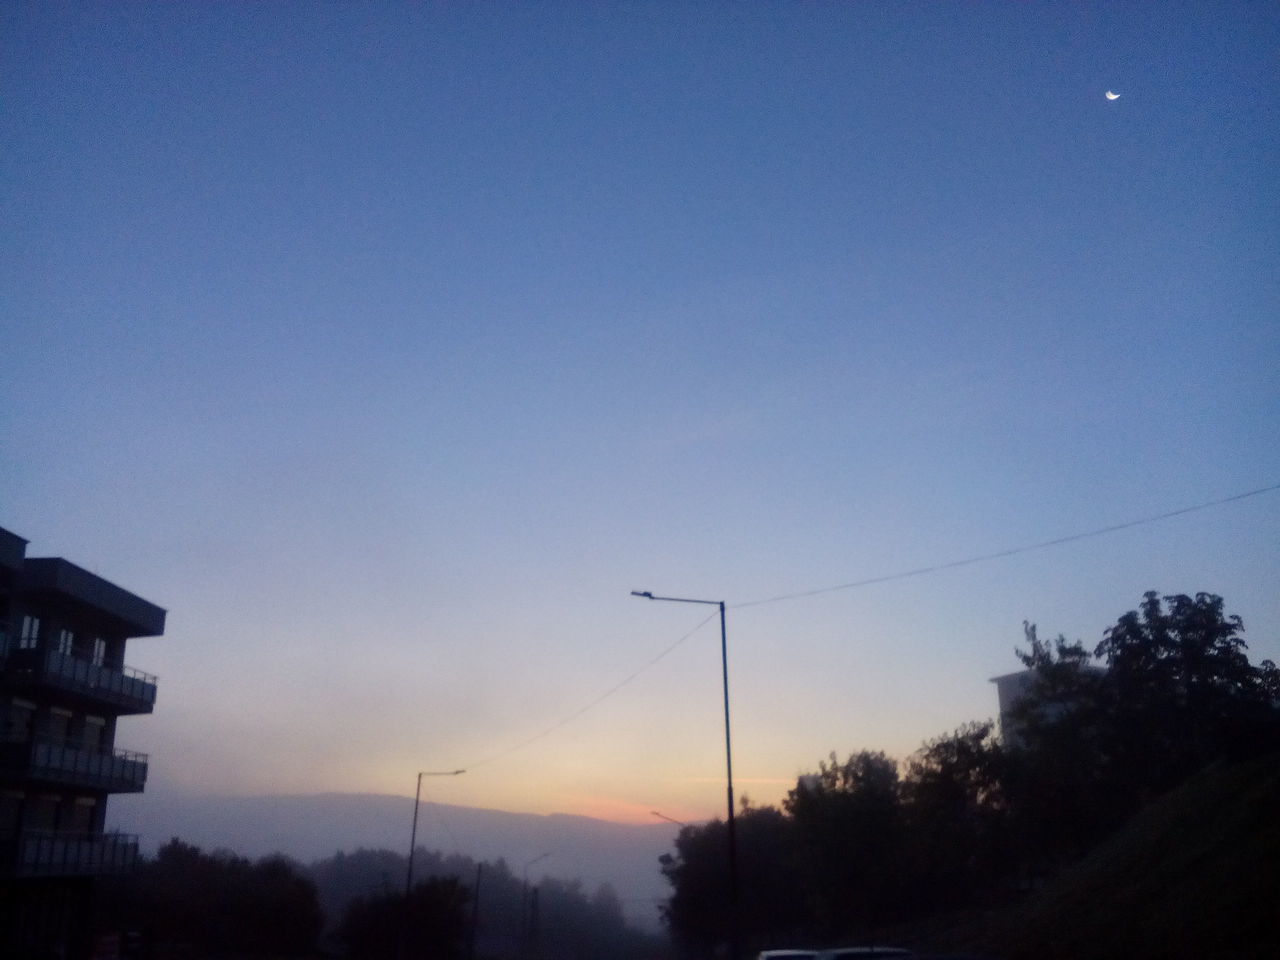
(1181, 691)
(1055, 776)
(851, 837)
(217, 903)
(1093, 746)
(698, 912)
(956, 819)
(771, 905)
(606, 903)
(570, 923)
(430, 923)
(1168, 691)
(344, 877)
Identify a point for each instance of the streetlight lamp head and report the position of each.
(642, 593)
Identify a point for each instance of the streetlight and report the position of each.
(662, 816)
(526, 914)
(541, 856)
(728, 763)
(413, 834)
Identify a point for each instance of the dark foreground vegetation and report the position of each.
(1196, 874)
(1061, 839)
(187, 903)
(193, 905)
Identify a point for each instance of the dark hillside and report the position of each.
(1195, 875)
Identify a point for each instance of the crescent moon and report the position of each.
(1112, 96)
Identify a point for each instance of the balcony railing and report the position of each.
(67, 762)
(50, 853)
(126, 689)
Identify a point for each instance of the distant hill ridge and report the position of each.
(309, 827)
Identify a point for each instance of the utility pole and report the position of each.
(475, 914)
(533, 924)
(413, 842)
(728, 763)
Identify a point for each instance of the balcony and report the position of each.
(46, 760)
(49, 853)
(125, 690)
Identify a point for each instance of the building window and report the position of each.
(99, 651)
(15, 721)
(42, 811)
(95, 733)
(30, 633)
(59, 726)
(10, 811)
(78, 818)
(66, 641)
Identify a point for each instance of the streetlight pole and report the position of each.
(728, 763)
(413, 834)
(525, 912)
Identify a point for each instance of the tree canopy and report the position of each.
(430, 923)
(1168, 690)
(217, 903)
(976, 817)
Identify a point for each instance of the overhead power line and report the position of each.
(604, 696)
(869, 581)
(1013, 551)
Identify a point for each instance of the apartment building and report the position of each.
(1013, 688)
(63, 687)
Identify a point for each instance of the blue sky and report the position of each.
(390, 346)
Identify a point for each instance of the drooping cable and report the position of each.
(602, 697)
(1012, 551)
(869, 581)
